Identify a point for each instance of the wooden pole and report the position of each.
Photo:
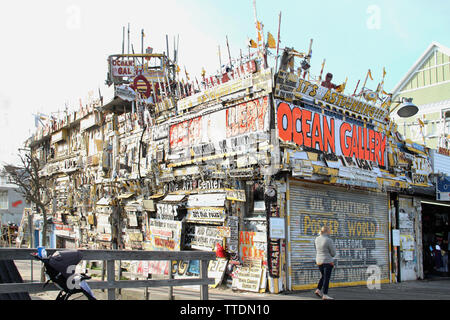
(111, 279)
(204, 275)
(123, 40)
(229, 55)
(170, 278)
(220, 62)
(128, 52)
(278, 41)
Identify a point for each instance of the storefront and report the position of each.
(436, 236)
(359, 224)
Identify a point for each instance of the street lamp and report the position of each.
(407, 108)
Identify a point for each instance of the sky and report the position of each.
(54, 53)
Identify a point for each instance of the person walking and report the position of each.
(325, 251)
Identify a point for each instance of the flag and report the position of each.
(370, 74)
(178, 69)
(203, 72)
(252, 44)
(421, 122)
(341, 88)
(258, 25)
(271, 41)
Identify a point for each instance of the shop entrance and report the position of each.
(435, 228)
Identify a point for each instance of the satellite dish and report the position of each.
(407, 109)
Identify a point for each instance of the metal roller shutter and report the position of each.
(359, 224)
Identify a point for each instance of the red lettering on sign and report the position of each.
(317, 132)
(306, 127)
(371, 145)
(296, 122)
(328, 136)
(284, 113)
(354, 151)
(346, 144)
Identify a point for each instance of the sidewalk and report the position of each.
(430, 289)
(410, 290)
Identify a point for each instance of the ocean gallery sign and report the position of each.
(329, 133)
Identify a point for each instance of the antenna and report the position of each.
(123, 40)
(128, 38)
(229, 55)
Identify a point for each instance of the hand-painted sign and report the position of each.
(244, 118)
(252, 245)
(165, 234)
(216, 270)
(289, 87)
(204, 238)
(249, 278)
(329, 133)
(206, 215)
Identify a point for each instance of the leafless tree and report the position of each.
(34, 187)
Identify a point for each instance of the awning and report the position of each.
(173, 198)
(104, 202)
(206, 200)
(125, 195)
(157, 195)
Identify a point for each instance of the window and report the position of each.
(3, 199)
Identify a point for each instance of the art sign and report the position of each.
(329, 133)
(252, 245)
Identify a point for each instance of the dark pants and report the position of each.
(325, 270)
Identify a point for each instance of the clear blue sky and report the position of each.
(54, 52)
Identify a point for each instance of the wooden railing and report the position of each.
(110, 256)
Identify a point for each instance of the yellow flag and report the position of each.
(252, 44)
(341, 87)
(370, 75)
(421, 122)
(258, 25)
(271, 41)
(203, 72)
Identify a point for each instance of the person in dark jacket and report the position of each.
(325, 251)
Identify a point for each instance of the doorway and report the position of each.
(435, 228)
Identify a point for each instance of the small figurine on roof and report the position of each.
(327, 83)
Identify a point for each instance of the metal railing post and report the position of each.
(111, 279)
(204, 276)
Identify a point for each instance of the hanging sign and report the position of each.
(443, 188)
(206, 215)
(329, 133)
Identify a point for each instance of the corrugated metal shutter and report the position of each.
(359, 223)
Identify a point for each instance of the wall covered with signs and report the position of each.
(358, 221)
(409, 251)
